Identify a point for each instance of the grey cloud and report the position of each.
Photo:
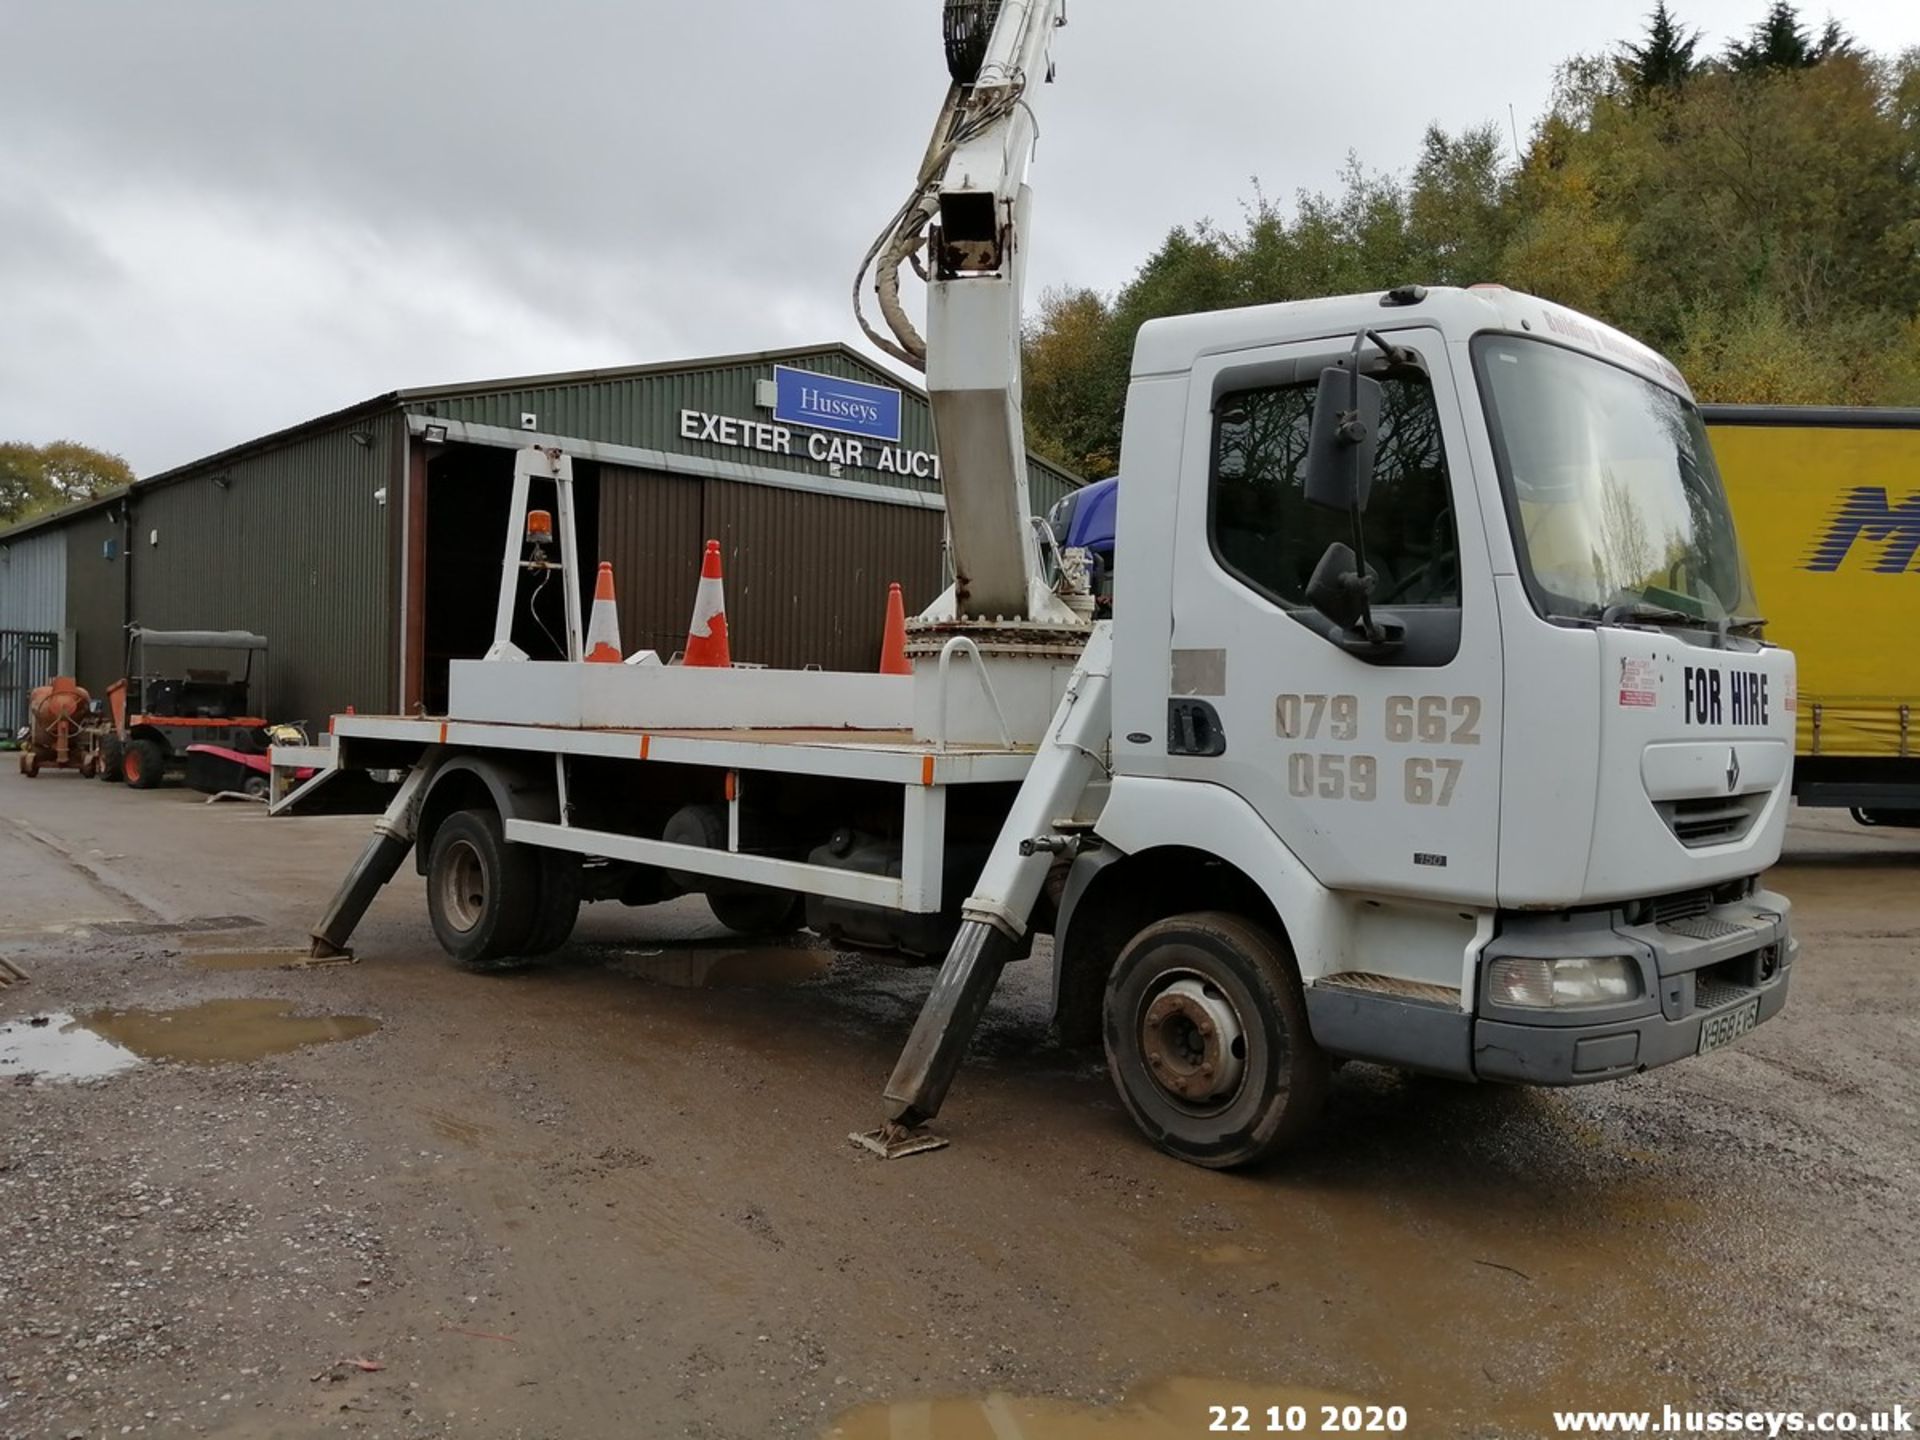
(238, 214)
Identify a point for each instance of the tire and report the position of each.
(558, 908)
(482, 893)
(112, 756)
(756, 911)
(1176, 991)
(744, 909)
(254, 785)
(30, 762)
(144, 764)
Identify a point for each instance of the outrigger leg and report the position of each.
(932, 1057)
(994, 926)
(392, 838)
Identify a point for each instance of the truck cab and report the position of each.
(1514, 832)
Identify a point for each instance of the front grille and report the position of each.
(1669, 909)
(1712, 821)
(1703, 927)
(1711, 994)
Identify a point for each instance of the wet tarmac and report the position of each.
(612, 1196)
(1178, 1409)
(724, 969)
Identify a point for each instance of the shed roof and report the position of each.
(412, 395)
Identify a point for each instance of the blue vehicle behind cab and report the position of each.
(1086, 519)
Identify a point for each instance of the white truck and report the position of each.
(1431, 727)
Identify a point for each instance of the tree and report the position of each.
(1779, 42)
(1759, 222)
(1664, 60)
(38, 478)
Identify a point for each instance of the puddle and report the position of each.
(195, 925)
(1166, 1410)
(219, 1032)
(58, 1047)
(249, 960)
(725, 969)
(224, 1031)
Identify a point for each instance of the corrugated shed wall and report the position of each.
(1047, 485)
(33, 582)
(650, 528)
(96, 597)
(810, 572)
(806, 574)
(294, 545)
(645, 411)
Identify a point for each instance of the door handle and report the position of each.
(1194, 728)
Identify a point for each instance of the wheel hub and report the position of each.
(463, 886)
(1191, 1038)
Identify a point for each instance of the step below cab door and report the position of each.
(1379, 769)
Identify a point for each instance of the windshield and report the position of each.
(1616, 503)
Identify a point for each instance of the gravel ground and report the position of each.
(613, 1197)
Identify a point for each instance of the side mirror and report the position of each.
(1337, 589)
(1346, 432)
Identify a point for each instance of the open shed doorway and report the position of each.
(469, 488)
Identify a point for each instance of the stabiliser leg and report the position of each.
(996, 915)
(392, 838)
(926, 1067)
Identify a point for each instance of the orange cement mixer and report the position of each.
(57, 714)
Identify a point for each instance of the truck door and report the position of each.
(1380, 771)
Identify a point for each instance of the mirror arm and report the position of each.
(1354, 432)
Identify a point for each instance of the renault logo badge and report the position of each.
(1733, 768)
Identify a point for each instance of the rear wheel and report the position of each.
(746, 909)
(482, 893)
(558, 908)
(1207, 1040)
(29, 762)
(144, 764)
(757, 912)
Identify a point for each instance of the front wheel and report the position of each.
(144, 763)
(1207, 1040)
(482, 893)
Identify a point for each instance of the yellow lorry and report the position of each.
(1827, 502)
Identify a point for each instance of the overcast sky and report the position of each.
(217, 219)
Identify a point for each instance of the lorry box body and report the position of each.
(1827, 501)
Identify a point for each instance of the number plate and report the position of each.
(1728, 1025)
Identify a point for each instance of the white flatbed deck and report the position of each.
(892, 755)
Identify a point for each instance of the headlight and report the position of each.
(1563, 984)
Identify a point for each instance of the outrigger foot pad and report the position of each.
(896, 1142)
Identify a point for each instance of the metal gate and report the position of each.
(27, 660)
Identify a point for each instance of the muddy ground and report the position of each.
(613, 1197)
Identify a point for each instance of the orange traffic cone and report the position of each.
(707, 636)
(603, 625)
(893, 639)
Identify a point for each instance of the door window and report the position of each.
(1264, 531)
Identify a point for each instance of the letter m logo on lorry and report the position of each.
(1866, 513)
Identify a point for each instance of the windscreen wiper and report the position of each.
(1642, 610)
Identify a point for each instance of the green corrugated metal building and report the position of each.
(365, 544)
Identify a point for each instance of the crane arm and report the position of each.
(968, 217)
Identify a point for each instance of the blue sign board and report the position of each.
(826, 402)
